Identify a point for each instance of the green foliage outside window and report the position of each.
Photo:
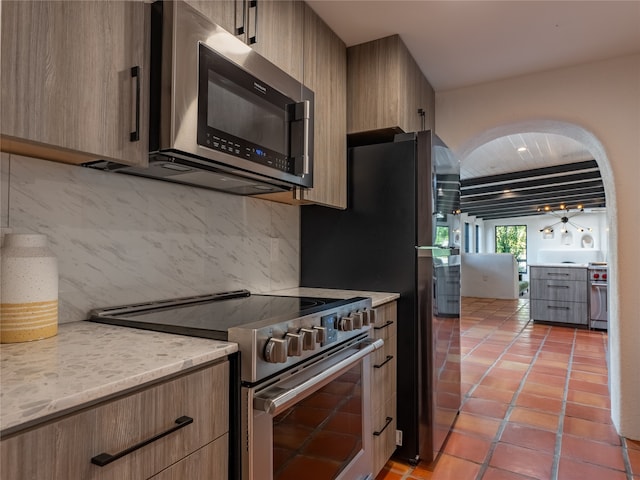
(513, 239)
(442, 236)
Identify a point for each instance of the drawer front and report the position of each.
(386, 321)
(559, 290)
(384, 371)
(558, 273)
(384, 437)
(211, 462)
(561, 312)
(64, 448)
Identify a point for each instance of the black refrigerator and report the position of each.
(400, 233)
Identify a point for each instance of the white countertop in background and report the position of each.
(567, 265)
(88, 362)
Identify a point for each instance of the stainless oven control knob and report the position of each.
(365, 317)
(372, 315)
(295, 344)
(275, 351)
(308, 338)
(321, 333)
(345, 324)
(358, 321)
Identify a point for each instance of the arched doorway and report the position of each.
(597, 151)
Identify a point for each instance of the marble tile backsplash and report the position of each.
(121, 239)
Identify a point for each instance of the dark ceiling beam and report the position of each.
(535, 172)
(543, 197)
(525, 193)
(567, 179)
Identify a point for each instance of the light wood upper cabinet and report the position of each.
(386, 89)
(67, 88)
(279, 35)
(226, 13)
(64, 448)
(273, 28)
(325, 72)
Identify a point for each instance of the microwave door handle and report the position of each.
(302, 113)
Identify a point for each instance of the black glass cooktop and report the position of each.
(213, 318)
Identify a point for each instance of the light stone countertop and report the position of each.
(88, 362)
(377, 298)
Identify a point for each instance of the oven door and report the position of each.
(598, 305)
(315, 423)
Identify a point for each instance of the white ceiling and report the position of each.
(462, 43)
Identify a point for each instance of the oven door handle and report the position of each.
(283, 398)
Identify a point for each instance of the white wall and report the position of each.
(597, 221)
(121, 239)
(597, 104)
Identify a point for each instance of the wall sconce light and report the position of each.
(547, 232)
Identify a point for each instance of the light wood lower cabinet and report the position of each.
(383, 386)
(64, 448)
(208, 463)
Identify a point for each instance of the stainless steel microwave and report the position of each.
(221, 115)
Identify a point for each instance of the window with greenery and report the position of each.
(513, 239)
(442, 236)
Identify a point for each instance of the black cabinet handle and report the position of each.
(106, 458)
(254, 4)
(386, 424)
(558, 286)
(135, 135)
(552, 307)
(240, 29)
(388, 359)
(422, 114)
(389, 322)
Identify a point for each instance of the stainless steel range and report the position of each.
(297, 355)
(598, 293)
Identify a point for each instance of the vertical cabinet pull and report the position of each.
(240, 28)
(422, 114)
(135, 135)
(106, 458)
(254, 39)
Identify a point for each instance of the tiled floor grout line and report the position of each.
(625, 459)
(512, 404)
(558, 447)
(497, 328)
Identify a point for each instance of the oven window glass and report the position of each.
(319, 436)
(244, 114)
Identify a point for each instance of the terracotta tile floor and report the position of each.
(535, 404)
